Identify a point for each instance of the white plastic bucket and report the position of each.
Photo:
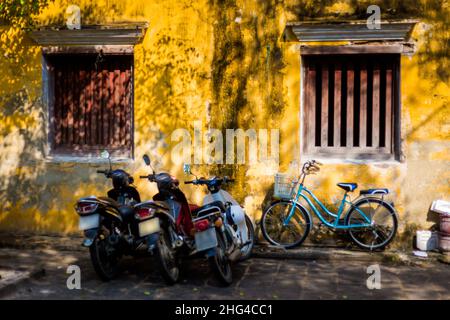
(426, 240)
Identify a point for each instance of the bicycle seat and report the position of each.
(347, 186)
(374, 191)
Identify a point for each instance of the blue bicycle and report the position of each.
(370, 221)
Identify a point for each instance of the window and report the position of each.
(351, 105)
(90, 99)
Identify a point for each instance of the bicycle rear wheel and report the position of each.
(383, 226)
(290, 235)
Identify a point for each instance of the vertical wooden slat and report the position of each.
(70, 106)
(117, 107)
(306, 106)
(98, 93)
(65, 106)
(123, 129)
(337, 106)
(104, 106)
(58, 108)
(76, 102)
(389, 97)
(128, 96)
(88, 116)
(350, 103)
(324, 120)
(310, 104)
(376, 106)
(363, 106)
(111, 125)
(94, 97)
(82, 106)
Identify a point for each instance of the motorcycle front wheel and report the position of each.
(219, 262)
(169, 265)
(247, 249)
(105, 259)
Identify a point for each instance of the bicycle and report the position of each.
(370, 220)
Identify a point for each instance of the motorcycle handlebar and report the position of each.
(105, 172)
(207, 181)
(150, 177)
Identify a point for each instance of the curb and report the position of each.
(337, 254)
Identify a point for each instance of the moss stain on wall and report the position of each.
(226, 56)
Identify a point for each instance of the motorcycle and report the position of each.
(215, 229)
(168, 237)
(115, 226)
(238, 228)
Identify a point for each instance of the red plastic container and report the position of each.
(445, 223)
(444, 241)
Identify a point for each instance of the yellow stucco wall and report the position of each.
(226, 57)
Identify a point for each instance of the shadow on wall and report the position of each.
(246, 73)
(436, 44)
(40, 195)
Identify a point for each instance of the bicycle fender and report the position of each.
(356, 203)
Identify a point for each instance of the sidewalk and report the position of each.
(34, 267)
(261, 250)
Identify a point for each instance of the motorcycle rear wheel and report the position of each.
(168, 261)
(220, 264)
(105, 264)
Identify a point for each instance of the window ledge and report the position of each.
(328, 160)
(117, 33)
(85, 159)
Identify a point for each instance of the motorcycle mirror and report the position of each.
(105, 154)
(146, 159)
(187, 168)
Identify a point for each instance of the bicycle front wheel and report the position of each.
(289, 235)
(383, 224)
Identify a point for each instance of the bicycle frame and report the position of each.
(335, 224)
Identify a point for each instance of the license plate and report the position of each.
(148, 227)
(206, 239)
(89, 222)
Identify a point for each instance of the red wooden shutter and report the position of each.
(92, 107)
(349, 104)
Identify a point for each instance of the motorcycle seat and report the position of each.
(109, 201)
(126, 212)
(207, 206)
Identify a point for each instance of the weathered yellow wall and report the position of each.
(227, 57)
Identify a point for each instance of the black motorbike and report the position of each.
(115, 225)
(190, 230)
(169, 239)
